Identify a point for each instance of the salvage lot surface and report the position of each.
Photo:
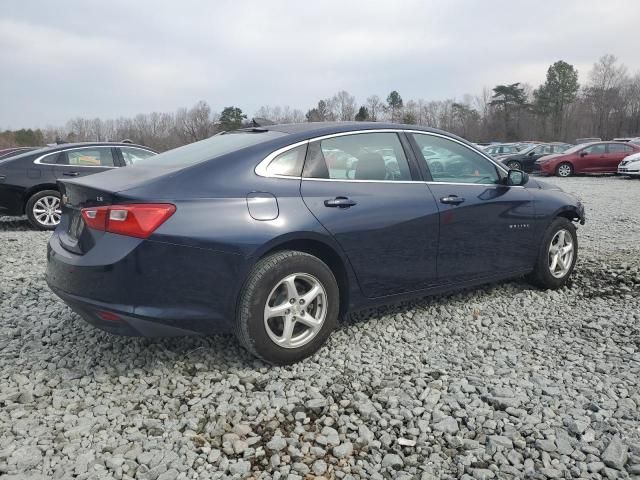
(497, 382)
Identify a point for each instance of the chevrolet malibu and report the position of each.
(255, 232)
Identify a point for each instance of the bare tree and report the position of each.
(374, 107)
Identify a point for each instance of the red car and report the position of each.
(596, 157)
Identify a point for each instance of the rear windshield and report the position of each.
(212, 147)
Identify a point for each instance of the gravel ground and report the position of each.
(501, 382)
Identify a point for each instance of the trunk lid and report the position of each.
(95, 191)
(72, 231)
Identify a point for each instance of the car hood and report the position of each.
(535, 183)
(634, 157)
(513, 156)
(551, 156)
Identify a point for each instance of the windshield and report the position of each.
(528, 149)
(576, 148)
(208, 149)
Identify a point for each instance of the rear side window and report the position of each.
(288, 163)
(617, 148)
(90, 157)
(52, 158)
(209, 149)
(363, 156)
(132, 155)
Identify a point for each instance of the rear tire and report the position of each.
(550, 274)
(280, 292)
(565, 169)
(43, 209)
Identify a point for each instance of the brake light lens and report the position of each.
(134, 220)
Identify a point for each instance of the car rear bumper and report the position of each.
(147, 288)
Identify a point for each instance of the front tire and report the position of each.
(43, 209)
(514, 165)
(288, 307)
(557, 255)
(564, 170)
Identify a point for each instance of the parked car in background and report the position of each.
(10, 152)
(630, 165)
(525, 159)
(597, 157)
(501, 149)
(255, 232)
(28, 180)
(635, 140)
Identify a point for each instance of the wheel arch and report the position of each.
(571, 213)
(35, 189)
(328, 253)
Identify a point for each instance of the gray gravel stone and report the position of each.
(615, 455)
(391, 460)
(343, 450)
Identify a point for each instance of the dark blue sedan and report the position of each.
(274, 233)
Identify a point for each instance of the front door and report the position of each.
(486, 227)
(361, 188)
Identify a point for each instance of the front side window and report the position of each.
(288, 163)
(90, 157)
(456, 163)
(599, 148)
(363, 156)
(133, 155)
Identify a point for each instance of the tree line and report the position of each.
(607, 105)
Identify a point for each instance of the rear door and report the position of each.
(363, 189)
(82, 161)
(486, 227)
(615, 153)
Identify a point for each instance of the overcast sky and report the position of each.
(60, 59)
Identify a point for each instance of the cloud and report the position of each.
(69, 58)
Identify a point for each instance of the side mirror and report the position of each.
(583, 154)
(531, 154)
(517, 178)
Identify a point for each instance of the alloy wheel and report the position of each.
(295, 310)
(561, 253)
(514, 166)
(564, 170)
(46, 210)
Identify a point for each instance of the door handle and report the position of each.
(452, 200)
(340, 202)
(70, 174)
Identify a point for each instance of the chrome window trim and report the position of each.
(37, 161)
(261, 168)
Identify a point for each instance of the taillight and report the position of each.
(134, 220)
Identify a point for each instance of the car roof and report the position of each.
(314, 129)
(63, 146)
